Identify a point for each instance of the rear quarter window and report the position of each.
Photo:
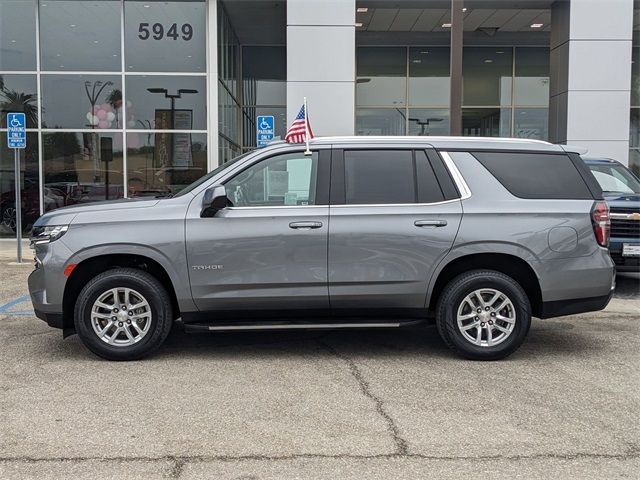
(536, 175)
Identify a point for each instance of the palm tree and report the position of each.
(12, 101)
(115, 100)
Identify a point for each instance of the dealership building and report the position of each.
(127, 98)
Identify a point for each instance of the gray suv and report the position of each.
(364, 232)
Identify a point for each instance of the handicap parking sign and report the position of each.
(16, 130)
(265, 130)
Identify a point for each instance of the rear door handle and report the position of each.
(430, 223)
(305, 225)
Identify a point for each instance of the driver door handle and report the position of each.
(430, 223)
(305, 225)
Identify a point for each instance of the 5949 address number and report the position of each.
(157, 31)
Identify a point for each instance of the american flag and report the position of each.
(297, 131)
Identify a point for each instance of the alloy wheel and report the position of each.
(121, 317)
(486, 317)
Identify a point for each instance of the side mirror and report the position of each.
(215, 199)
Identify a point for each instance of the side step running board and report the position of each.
(290, 326)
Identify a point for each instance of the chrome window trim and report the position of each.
(262, 207)
(377, 205)
(459, 180)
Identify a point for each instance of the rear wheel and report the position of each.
(483, 315)
(123, 314)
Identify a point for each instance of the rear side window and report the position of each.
(536, 175)
(379, 176)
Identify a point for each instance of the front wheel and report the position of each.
(123, 314)
(483, 315)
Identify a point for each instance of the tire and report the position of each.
(8, 217)
(482, 335)
(148, 324)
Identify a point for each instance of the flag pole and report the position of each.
(306, 127)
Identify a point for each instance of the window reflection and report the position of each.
(82, 167)
(380, 121)
(428, 121)
(165, 36)
(81, 101)
(167, 102)
(164, 163)
(381, 76)
(429, 81)
(250, 117)
(486, 122)
(532, 77)
(80, 35)
(531, 123)
(17, 35)
(29, 186)
(487, 75)
(18, 93)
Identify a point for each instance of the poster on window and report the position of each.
(179, 144)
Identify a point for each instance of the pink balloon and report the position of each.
(102, 114)
(133, 140)
(95, 109)
(106, 107)
(103, 124)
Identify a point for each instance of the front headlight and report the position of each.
(48, 234)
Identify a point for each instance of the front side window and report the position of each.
(283, 180)
(379, 177)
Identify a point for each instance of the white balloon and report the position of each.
(111, 116)
(94, 120)
(129, 103)
(131, 123)
(89, 116)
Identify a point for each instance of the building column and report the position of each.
(212, 85)
(591, 75)
(321, 64)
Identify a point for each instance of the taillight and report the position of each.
(601, 222)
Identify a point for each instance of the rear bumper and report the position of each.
(579, 305)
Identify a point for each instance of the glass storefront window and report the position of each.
(82, 167)
(381, 76)
(428, 121)
(164, 163)
(487, 76)
(429, 81)
(19, 93)
(29, 186)
(17, 35)
(264, 75)
(531, 85)
(81, 101)
(165, 36)
(486, 122)
(380, 121)
(80, 35)
(167, 102)
(531, 123)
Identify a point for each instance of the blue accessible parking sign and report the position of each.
(16, 130)
(265, 130)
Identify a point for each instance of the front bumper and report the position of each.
(623, 264)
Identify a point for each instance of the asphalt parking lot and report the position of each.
(375, 405)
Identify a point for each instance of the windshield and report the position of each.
(614, 178)
(209, 175)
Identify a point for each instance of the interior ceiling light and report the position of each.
(488, 60)
(446, 25)
(358, 24)
(537, 25)
(464, 9)
(362, 9)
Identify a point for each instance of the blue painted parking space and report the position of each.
(20, 306)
